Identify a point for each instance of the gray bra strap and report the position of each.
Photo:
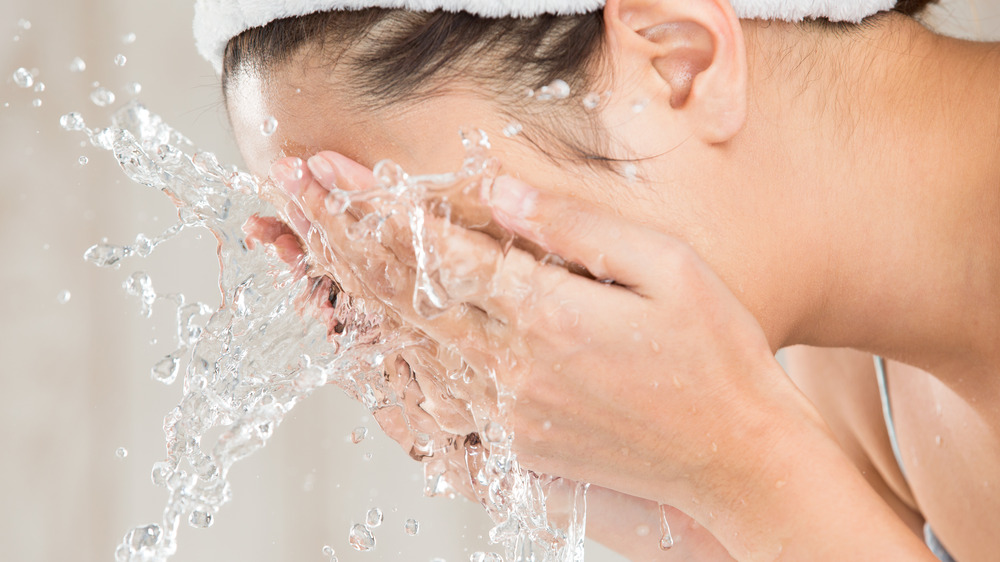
(883, 390)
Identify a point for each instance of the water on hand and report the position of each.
(247, 362)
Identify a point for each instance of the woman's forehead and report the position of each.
(311, 116)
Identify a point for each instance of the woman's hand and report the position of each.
(647, 376)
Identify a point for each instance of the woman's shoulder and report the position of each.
(842, 385)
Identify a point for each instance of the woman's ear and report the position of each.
(697, 56)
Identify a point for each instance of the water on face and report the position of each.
(247, 362)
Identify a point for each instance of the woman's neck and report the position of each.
(890, 210)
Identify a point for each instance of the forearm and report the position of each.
(631, 527)
(805, 500)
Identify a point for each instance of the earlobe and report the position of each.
(697, 51)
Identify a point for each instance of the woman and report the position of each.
(747, 185)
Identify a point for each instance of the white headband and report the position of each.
(218, 21)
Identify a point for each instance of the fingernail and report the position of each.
(289, 174)
(322, 170)
(512, 198)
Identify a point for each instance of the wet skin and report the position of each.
(743, 236)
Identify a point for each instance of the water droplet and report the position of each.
(77, 65)
(36, 103)
(373, 518)
(63, 297)
(143, 539)
(592, 100)
(160, 473)
(367, 456)
(143, 246)
(23, 78)
(121, 452)
(359, 434)
(200, 519)
(120, 60)
(411, 527)
(485, 557)
(494, 433)
(128, 38)
(639, 105)
(630, 171)
(102, 97)
(269, 126)
(133, 88)
(361, 538)
(83, 160)
(40, 87)
(666, 539)
(166, 369)
(329, 553)
(24, 24)
(72, 122)
(512, 130)
(557, 89)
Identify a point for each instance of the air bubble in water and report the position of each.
(36, 102)
(269, 126)
(102, 97)
(512, 130)
(359, 434)
(77, 65)
(121, 452)
(23, 78)
(411, 527)
(83, 160)
(128, 38)
(592, 100)
(200, 519)
(361, 538)
(40, 87)
(63, 297)
(72, 122)
(120, 60)
(133, 88)
(373, 518)
(329, 553)
(485, 557)
(639, 105)
(24, 24)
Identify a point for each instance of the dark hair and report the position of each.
(390, 56)
(396, 55)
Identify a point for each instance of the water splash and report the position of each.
(246, 363)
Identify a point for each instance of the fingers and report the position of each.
(335, 171)
(611, 248)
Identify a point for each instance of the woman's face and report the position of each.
(682, 186)
(423, 137)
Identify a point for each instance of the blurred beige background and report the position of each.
(75, 375)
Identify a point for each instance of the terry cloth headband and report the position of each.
(218, 21)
